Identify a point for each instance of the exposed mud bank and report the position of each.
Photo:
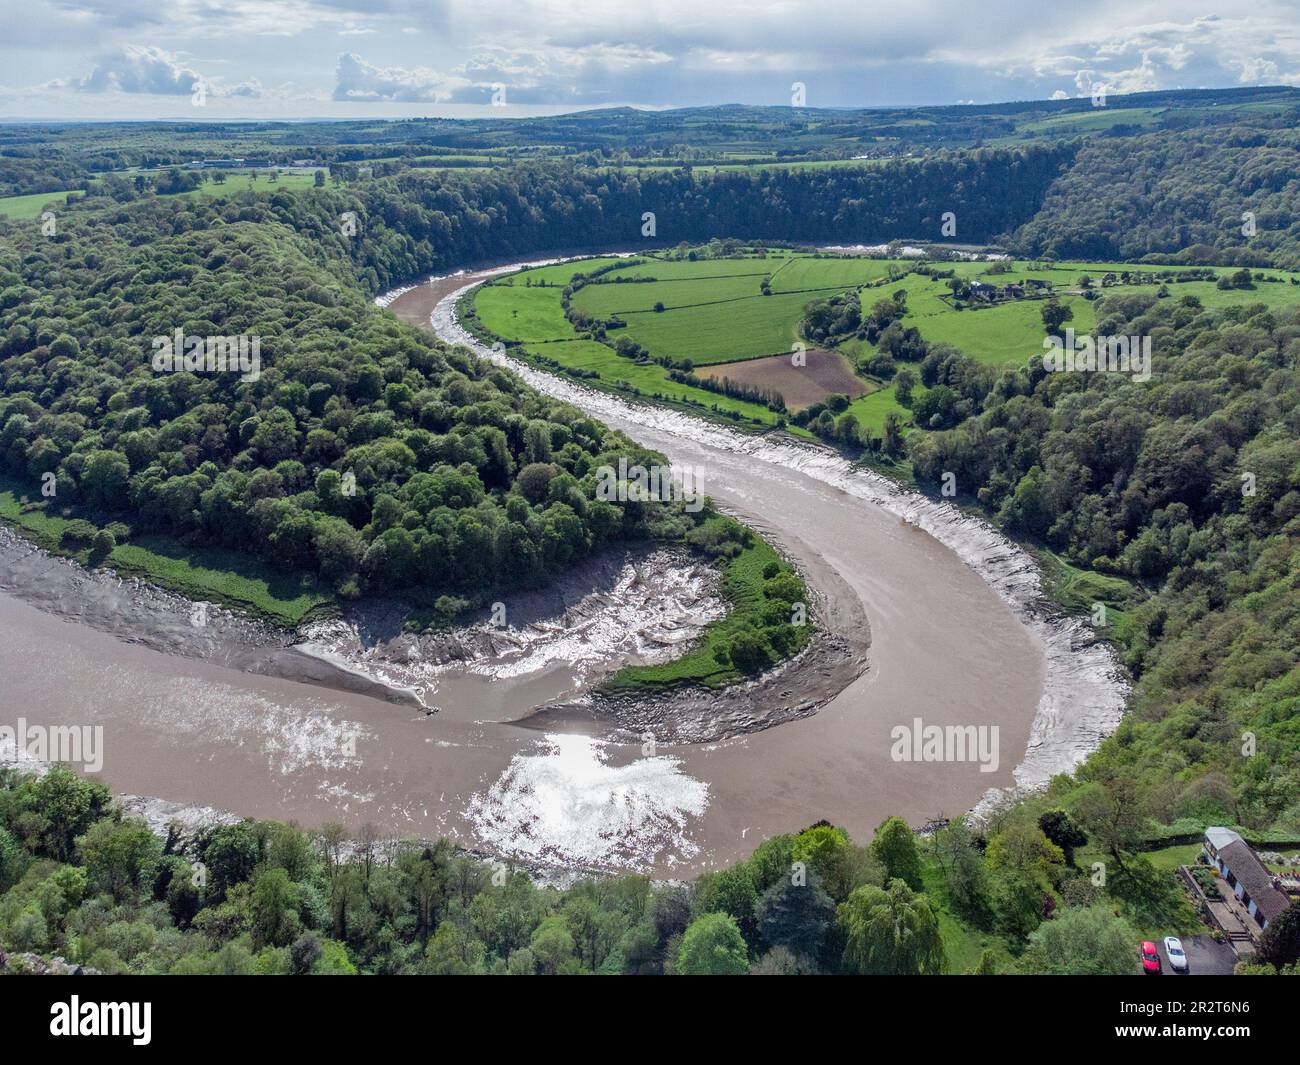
(792, 690)
(625, 606)
(137, 612)
(1084, 690)
(638, 606)
(834, 658)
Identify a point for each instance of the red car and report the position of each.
(1150, 958)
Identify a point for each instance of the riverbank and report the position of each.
(1084, 691)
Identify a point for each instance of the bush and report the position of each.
(78, 533)
(103, 544)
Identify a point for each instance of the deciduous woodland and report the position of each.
(367, 458)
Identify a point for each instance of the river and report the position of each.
(959, 636)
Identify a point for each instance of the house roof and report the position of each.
(1221, 837)
(1252, 875)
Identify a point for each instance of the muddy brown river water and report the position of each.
(958, 637)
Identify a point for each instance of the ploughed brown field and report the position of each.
(824, 373)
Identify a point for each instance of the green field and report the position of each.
(30, 206)
(604, 300)
(526, 314)
(713, 312)
(242, 182)
(721, 331)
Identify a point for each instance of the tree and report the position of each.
(795, 916)
(904, 382)
(120, 856)
(452, 952)
(1023, 851)
(231, 853)
(103, 544)
(1082, 942)
(894, 846)
(103, 480)
(1055, 314)
(713, 946)
(963, 867)
(890, 931)
(892, 435)
(1111, 813)
(1280, 943)
(731, 891)
(552, 944)
(750, 652)
(1018, 905)
(67, 804)
(275, 917)
(1058, 827)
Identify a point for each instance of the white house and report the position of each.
(1254, 885)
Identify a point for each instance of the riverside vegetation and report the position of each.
(81, 882)
(1135, 493)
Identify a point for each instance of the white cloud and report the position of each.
(140, 69)
(147, 70)
(670, 52)
(357, 80)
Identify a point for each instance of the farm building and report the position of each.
(1251, 882)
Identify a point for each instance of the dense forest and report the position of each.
(364, 451)
(418, 222)
(1189, 487)
(1227, 196)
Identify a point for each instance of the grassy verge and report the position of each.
(214, 575)
(1082, 591)
(762, 591)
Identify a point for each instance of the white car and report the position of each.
(1174, 951)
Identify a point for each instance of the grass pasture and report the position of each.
(715, 315)
(708, 333)
(525, 314)
(604, 300)
(30, 205)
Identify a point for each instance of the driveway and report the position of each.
(1205, 957)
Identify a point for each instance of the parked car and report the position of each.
(1150, 958)
(1174, 952)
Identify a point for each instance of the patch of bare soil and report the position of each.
(824, 373)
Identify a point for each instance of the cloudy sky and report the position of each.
(122, 59)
